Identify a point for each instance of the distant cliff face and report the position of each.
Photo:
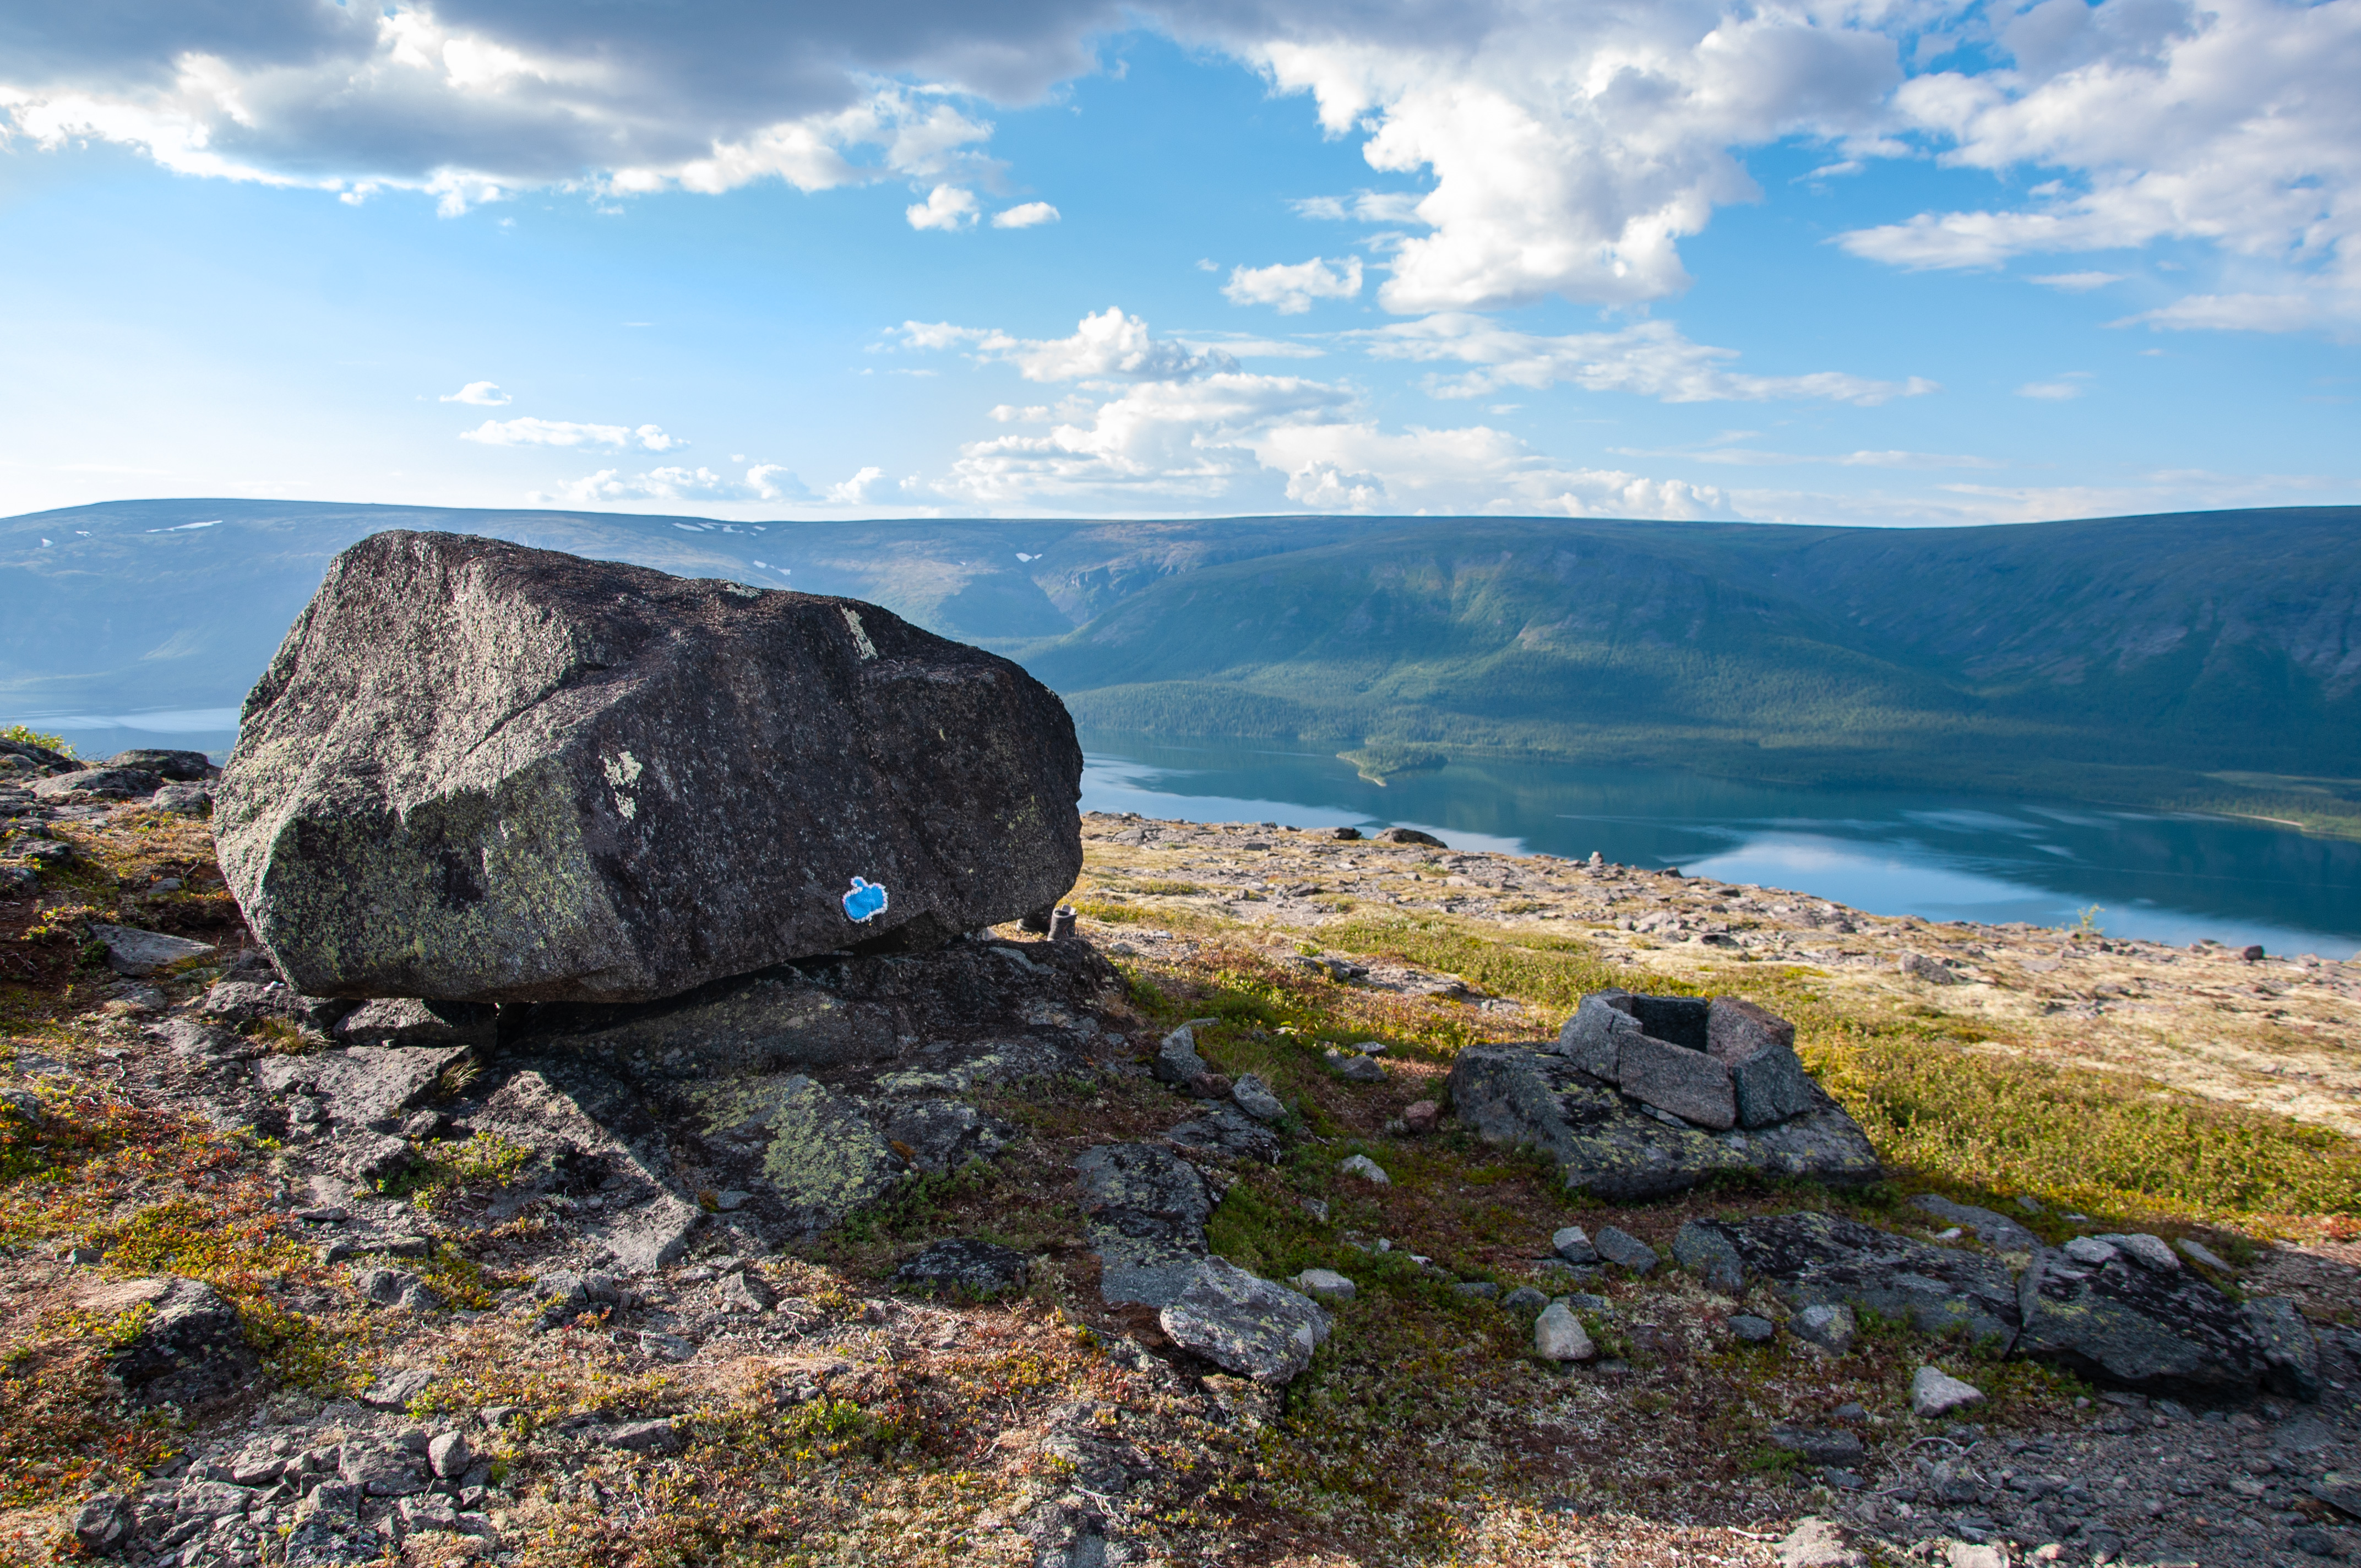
(2206, 640)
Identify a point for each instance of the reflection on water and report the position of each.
(2167, 877)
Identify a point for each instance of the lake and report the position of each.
(2168, 877)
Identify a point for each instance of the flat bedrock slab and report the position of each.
(1604, 1144)
(479, 772)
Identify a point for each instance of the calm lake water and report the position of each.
(2167, 877)
(1944, 857)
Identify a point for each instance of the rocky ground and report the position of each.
(294, 1284)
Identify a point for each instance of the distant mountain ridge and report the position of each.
(2065, 656)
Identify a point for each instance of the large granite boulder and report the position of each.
(1717, 1064)
(1608, 1142)
(478, 773)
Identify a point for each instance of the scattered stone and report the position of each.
(1353, 1067)
(1245, 1324)
(743, 1294)
(99, 784)
(1480, 1289)
(1820, 1445)
(409, 1021)
(1365, 1167)
(1422, 1116)
(2091, 1251)
(2200, 1254)
(2149, 1252)
(130, 951)
(1411, 835)
(644, 1437)
(1918, 965)
(1752, 1330)
(448, 1455)
(395, 1390)
(1324, 1285)
(1625, 1250)
(476, 771)
(103, 1525)
(1225, 1133)
(1818, 1543)
(962, 1266)
(380, 1470)
(1253, 1097)
(1524, 1299)
(1998, 1232)
(1831, 1326)
(181, 767)
(1935, 1393)
(1558, 1335)
(665, 1347)
(1708, 1253)
(190, 1347)
(1572, 1244)
(1177, 1062)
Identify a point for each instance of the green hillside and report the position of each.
(2195, 657)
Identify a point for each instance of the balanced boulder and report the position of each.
(479, 772)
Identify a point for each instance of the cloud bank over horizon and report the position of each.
(1546, 179)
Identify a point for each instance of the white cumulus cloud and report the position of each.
(1649, 358)
(947, 207)
(1108, 345)
(530, 431)
(1293, 289)
(855, 491)
(1026, 216)
(482, 393)
(764, 482)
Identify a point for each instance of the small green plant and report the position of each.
(26, 735)
(2088, 926)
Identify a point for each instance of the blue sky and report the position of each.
(1907, 262)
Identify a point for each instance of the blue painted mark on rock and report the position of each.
(866, 901)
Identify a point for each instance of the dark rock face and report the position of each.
(181, 767)
(967, 1268)
(476, 773)
(1603, 1142)
(2123, 1322)
(190, 1347)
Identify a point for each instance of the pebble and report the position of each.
(1365, 1167)
(1353, 1067)
(1325, 1285)
(1558, 1335)
(1573, 1243)
(1831, 1327)
(1625, 1250)
(1934, 1393)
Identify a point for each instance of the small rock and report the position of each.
(2199, 1253)
(666, 1347)
(1483, 1289)
(1177, 1062)
(1572, 1244)
(1704, 1252)
(1245, 1324)
(1324, 1285)
(449, 1455)
(1830, 1327)
(1353, 1067)
(1524, 1299)
(1934, 1393)
(644, 1437)
(137, 952)
(1974, 1554)
(395, 1390)
(744, 1294)
(381, 1472)
(1422, 1116)
(104, 1524)
(1752, 1329)
(2092, 1252)
(1625, 1250)
(1253, 1097)
(1365, 1167)
(1918, 965)
(1558, 1335)
(2149, 1252)
(1818, 1444)
(1818, 1543)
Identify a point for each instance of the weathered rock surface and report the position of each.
(480, 772)
(2119, 1322)
(190, 1347)
(130, 951)
(99, 784)
(1245, 1323)
(1606, 1143)
(1147, 1209)
(1716, 1064)
(181, 767)
(966, 1268)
